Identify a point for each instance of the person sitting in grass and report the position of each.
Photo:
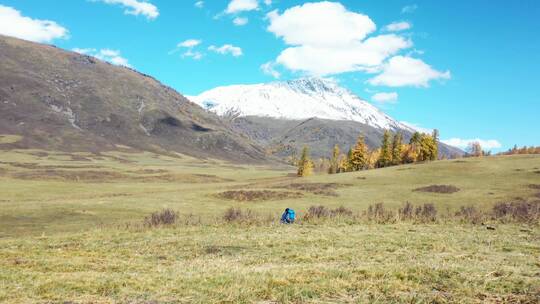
(288, 216)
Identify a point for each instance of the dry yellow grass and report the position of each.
(83, 241)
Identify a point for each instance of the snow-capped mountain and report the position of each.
(295, 100)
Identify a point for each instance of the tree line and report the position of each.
(523, 150)
(392, 151)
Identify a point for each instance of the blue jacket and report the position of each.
(288, 216)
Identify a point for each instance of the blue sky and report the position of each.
(468, 68)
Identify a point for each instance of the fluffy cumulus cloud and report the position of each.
(226, 49)
(112, 56)
(240, 21)
(334, 46)
(237, 6)
(402, 71)
(397, 26)
(384, 97)
(136, 7)
(325, 38)
(464, 143)
(13, 23)
(301, 25)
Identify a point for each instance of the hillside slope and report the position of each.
(283, 136)
(59, 100)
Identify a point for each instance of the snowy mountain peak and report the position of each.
(295, 99)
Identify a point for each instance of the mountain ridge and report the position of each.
(295, 100)
(321, 115)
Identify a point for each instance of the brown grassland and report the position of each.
(127, 227)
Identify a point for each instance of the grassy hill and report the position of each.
(59, 100)
(71, 229)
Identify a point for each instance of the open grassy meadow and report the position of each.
(72, 230)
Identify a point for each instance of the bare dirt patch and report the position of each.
(149, 171)
(257, 195)
(65, 175)
(445, 189)
(182, 178)
(111, 176)
(327, 189)
(33, 166)
(80, 158)
(534, 186)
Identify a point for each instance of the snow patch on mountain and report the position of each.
(295, 99)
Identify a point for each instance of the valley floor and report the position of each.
(71, 230)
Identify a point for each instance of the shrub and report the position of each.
(520, 211)
(318, 212)
(379, 214)
(426, 213)
(406, 212)
(237, 215)
(341, 211)
(470, 214)
(161, 218)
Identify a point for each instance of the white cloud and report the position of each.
(406, 71)
(301, 25)
(136, 7)
(12, 23)
(383, 97)
(199, 4)
(397, 26)
(358, 56)
(417, 127)
(226, 49)
(189, 43)
(237, 6)
(192, 54)
(268, 2)
(269, 69)
(464, 143)
(334, 46)
(239, 21)
(409, 9)
(112, 56)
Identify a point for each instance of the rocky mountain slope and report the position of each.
(55, 99)
(285, 116)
